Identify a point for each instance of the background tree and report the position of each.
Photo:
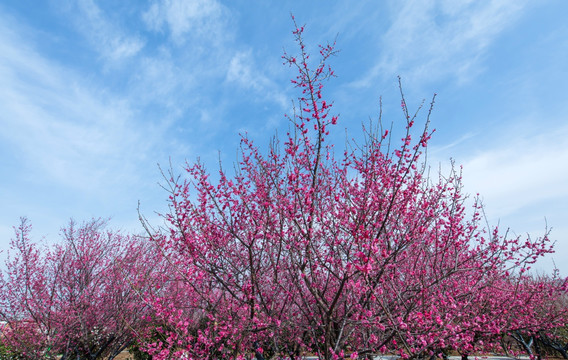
(71, 298)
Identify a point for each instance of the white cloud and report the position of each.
(161, 80)
(521, 176)
(521, 172)
(199, 18)
(429, 40)
(58, 125)
(245, 73)
(107, 37)
(241, 72)
(72, 148)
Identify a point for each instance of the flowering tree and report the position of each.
(301, 251)
(72, 299)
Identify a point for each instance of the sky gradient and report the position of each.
(95, 94)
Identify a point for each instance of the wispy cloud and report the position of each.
(432, 40)
(522, 183)
(244, 72)
(113, 43)
(521, 171)
(204, 19)
(199, 60)
(70, 147)
(161, 80)
(58, 124)
(172, 78)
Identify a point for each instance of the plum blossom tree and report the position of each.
(71, 299)
(302, 251)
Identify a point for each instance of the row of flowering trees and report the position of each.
(299, 251)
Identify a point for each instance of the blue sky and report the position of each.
(94, 94)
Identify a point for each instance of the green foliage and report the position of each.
(6, 353)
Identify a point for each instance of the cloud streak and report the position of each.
(59, 126)
(429, 41)
(203, 19)
(244, 72)
(520, 172)
(113, 43)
